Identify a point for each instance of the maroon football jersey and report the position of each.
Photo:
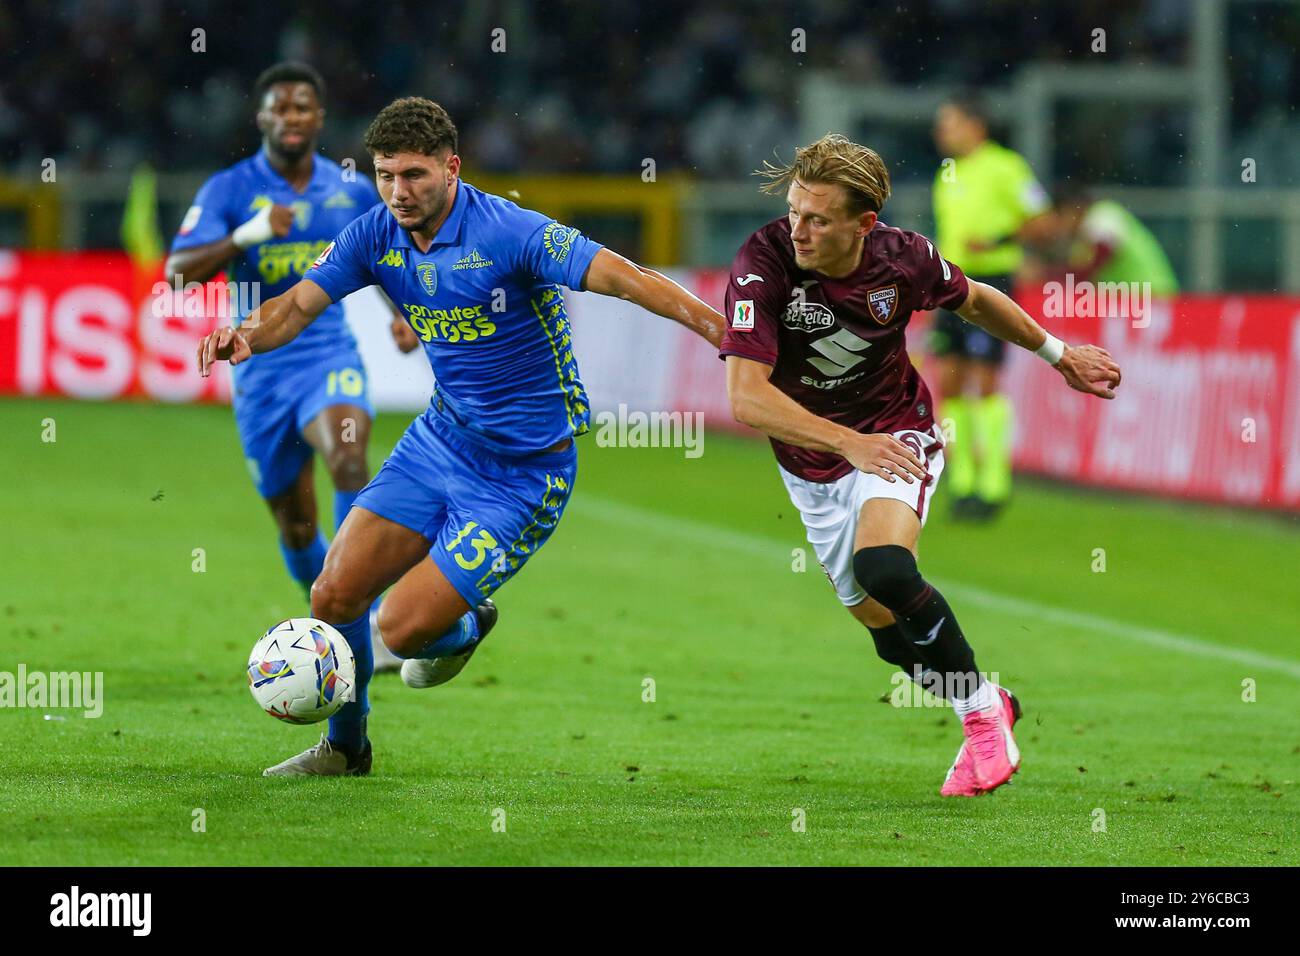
(837, 346)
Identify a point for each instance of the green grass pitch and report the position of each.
(767, 702)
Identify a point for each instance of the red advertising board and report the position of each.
(89, 326)
(1209, 408)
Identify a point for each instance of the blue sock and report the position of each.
(348, 726)
(342, 502)
(461, 636)
(304, 564)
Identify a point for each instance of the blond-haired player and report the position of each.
(818, 301)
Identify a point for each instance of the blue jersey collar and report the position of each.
(263, 166)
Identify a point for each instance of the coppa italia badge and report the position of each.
(804, 316)
(742, 315)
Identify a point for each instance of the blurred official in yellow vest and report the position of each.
(986, 203)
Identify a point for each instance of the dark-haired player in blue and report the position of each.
(268, 217)
(479, 481)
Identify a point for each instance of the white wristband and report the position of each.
(1051, 350)
(258, 229)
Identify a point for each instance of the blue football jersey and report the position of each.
(331, 201)
(486, 303)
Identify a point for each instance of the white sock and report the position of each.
(984, 698)
(378, 648)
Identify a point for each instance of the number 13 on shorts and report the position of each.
(477, 546)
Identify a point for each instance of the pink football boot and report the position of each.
(961, 780)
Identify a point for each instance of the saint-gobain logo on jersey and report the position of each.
(804, 316)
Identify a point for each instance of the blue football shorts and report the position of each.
(484, 514)
(272, 407)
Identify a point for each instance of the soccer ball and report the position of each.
(302, 671)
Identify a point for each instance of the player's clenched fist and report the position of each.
(281, 220)
(269, 222)
(1089, 369)
(883, 455)
(224, 344)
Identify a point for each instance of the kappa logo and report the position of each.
(882, 303)
(428, 273)
(742, 315)
(472, 261)
(390, 258)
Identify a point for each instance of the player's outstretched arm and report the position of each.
(611, 274)
(276, 322)
(756, 402)
(1086, 368)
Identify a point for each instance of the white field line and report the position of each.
(715, 536)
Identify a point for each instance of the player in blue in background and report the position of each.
(268, 217)
(478, 482)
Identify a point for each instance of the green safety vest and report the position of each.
(985, 196)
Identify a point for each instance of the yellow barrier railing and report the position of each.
(656, 204)
(39, 206)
